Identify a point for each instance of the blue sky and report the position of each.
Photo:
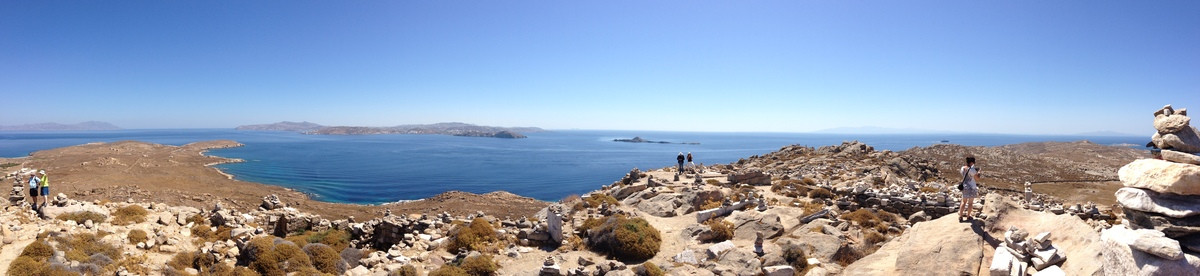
(1028, 67)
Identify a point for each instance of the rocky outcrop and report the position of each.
(1174, 131)
(942, 246)
(1162, 176)
(750, 177)
(1154, 202)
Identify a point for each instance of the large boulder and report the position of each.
(943, 246)
(751, 177)
(662, 205)
(1073, 237)
(1161, 176)
(739, 262)
(1155, 202)
(747, 223)
(1121, 258)
(55, 211)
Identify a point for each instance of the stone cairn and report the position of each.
(1161, 202)
(20, 187)
(1019, 252)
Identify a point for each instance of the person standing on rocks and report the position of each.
(970, 189)
(34, 184)
(45, 189)
(680, 159)
(689, 162)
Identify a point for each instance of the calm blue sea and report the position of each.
(374, 169)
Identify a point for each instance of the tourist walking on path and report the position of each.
(970, 188)
(680, 159)
(45, 189)
(34, 184)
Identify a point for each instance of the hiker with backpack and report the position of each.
(970, 188)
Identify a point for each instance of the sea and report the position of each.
(374, 169)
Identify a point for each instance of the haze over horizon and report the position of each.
(1015, 67)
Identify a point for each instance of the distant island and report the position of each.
(282, 126)
(454, 128)
(89, 125)
(638, 139)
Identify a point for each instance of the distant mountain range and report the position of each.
(283, 126)
(456, 129)
(89, 125)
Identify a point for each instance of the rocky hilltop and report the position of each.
(282, 126)
(456, 129)
(89, 125)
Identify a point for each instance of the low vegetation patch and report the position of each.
(406, 270)
(137, 235)
(722, 230)
(475, 236)
(873, 237)
(325, 259)
(625, 239)
(794, 255)
(81, 217)
(820, 193)
(93, 257)
(129, 215)
(651, 269)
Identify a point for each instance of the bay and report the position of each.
(373, 169)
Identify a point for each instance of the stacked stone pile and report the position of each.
(1020, 252)
(1161, 202)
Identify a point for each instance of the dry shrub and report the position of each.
(809, 181)
(570, 198)
(406, 270)
(626, 239)
(795, 256)
(182, 260)
(651, 269)
(448, 270)
(293, 259)
(873, 237)
(137, 235)
(81, 217)
(847, 255)
(335, 238)
(81, 246)
(27, 266)
(129, 215)
(473, 237)
(325, 258)
(820, 193)
(722, 230)
(202, 232)
(38, 250)
(134, 264)
(710, 204)
(713, 182)
(929, 189)
(811, 208)
(479, 265)
(595, 200)
(863, 217)
(261, 256)
(197, 219)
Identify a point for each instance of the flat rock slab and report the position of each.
(1161, 176)
(1155, 202)
(943, 246)
(1119, 258)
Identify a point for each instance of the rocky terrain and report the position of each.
(89, 125)
(833, 210)
(456, 129)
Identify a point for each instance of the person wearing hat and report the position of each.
(45, 189)
(680, 159)
(34, 183)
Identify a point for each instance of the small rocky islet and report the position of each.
(834, 210)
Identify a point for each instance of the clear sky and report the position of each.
(1029, 67)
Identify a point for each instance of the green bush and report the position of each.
(473, 237)
(626, 239)
(137, 235)
(481, 265)
(325, 258)
(722, 230)
(820, 193)
(81, 217)
(129, 215)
